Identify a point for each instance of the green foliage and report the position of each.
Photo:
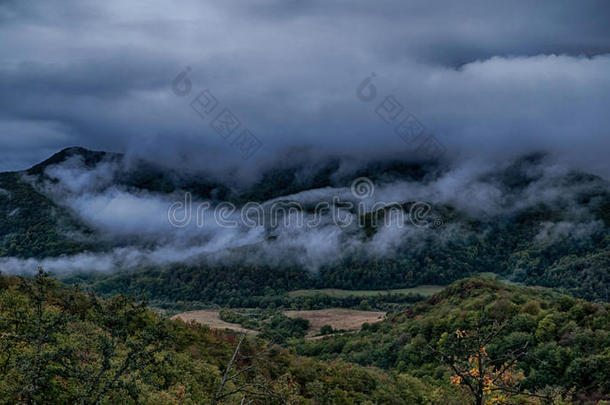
(61, 346)
(279, 328)
(364, 305)
(567, 338)
(233, 317)
(31, 225)
(66, 347)
(183, 288)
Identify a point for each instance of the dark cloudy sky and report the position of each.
(486, 78)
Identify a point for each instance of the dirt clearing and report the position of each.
(338, 318)
(212, 319)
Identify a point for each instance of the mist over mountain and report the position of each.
(108, 213)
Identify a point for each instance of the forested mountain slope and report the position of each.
(531, 221)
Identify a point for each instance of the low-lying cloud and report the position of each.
(135, 223)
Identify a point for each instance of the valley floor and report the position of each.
(340, 319)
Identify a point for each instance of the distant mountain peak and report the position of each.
(90, 158)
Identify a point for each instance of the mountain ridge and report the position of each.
(549, 229)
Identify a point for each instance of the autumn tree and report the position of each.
(487, 380)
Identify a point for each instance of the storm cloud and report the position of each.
(487, 78)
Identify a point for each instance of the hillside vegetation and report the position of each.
(60, 345)
(32, 225)
(558, 343)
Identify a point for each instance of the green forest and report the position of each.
(476, 340)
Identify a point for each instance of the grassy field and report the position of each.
(338, 318)
(425, 290)
(212, 319)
